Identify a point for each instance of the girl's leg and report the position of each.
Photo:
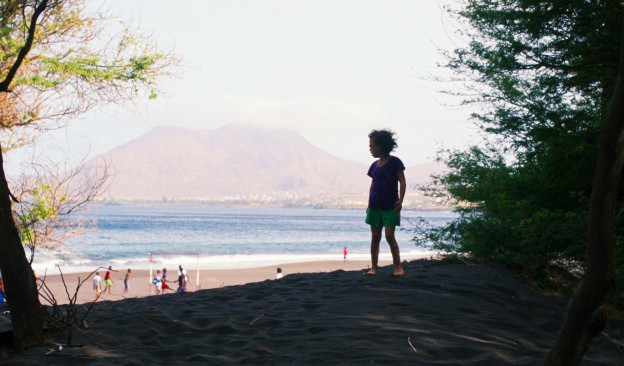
(374, 250)
(394, 249)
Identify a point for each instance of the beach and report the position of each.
(141, 280)
(439, 313)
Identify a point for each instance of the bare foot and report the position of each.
(398, 271)
(372, 271)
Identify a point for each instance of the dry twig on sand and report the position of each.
(255, 320)
(410, 343)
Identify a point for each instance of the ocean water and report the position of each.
(196, 236)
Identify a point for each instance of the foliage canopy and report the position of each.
(79, 59)
(542, 73)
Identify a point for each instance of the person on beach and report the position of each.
(108, 282)
(164, 281)
(127, 282)
(186, 278)
(157, 281)
(2, 295)
(385, 198)
(279, 274)
(182, 272)
(181, 281)
(97, 284)
(344, 253)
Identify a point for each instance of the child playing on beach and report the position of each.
(164, 281)
(127, 282)
(157, 281)
(181, 281)
(97, 284)
(108, 282)
(385, 198)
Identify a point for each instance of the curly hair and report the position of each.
(384, 140)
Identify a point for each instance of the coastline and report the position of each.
(207, 237)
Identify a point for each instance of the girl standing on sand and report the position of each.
(385, 198)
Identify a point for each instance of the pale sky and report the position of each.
(330, 69)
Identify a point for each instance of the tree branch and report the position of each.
(4, 85)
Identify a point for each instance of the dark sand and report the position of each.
(437, 314)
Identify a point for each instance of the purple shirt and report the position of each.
(384, 191)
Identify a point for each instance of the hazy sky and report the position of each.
(330, 69)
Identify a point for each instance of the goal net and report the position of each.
(173, 262)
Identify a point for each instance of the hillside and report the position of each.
(235, 160)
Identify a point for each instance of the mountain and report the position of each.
(235, 160)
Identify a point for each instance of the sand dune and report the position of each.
(437, 314)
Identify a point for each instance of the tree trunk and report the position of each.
(19, 280)
(584, 320)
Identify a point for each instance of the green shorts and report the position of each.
(381, 218)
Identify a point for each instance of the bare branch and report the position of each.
(51, 195)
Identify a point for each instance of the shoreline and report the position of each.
(140, 280)
(202, 262)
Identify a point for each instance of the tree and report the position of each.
(544, 74)
(583, 322)
(56, 66)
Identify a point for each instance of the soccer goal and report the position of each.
(173, 261)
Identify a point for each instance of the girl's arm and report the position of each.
(399, 204)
